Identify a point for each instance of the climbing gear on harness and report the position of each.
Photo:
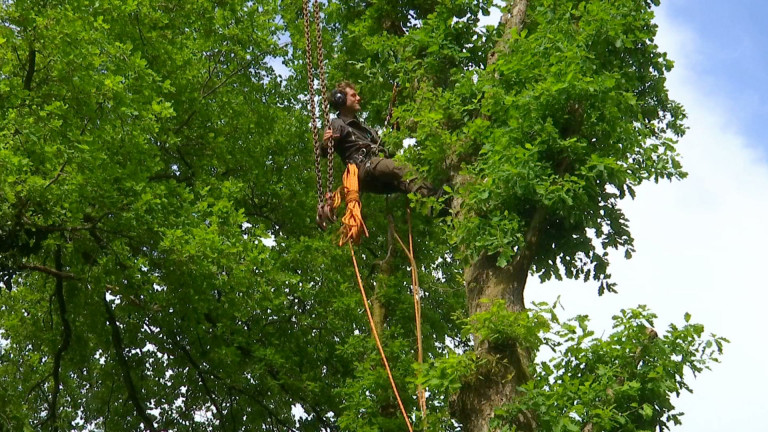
(352, 224)
(325, 214)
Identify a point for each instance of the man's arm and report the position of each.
(334, 132)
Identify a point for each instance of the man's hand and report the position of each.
(328, 135)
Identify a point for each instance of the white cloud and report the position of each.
(700, 249)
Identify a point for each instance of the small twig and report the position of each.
(58, 174)
(224, 81)
(198, 369)
(141, 33)
(18, 57)
(37, 385)
(211, 70)
(185, 122)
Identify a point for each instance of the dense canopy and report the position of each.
(161, 268)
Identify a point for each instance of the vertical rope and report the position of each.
(421, 393)
(378, 341)
(391, 109)
(417, 309)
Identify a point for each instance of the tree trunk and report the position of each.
(505, 366)
(506, 363)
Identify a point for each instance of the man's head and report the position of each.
(345, 98)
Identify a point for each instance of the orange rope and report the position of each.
(421, 394)
(378, 342)
(352, 224)
(352, 228)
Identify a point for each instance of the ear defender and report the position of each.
(338, 99)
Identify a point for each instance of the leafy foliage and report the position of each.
(160, 264)
(623, 382)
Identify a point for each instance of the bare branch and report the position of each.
(66, 338)
(48, 271)
(133, 391)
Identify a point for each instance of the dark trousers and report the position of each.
(385, 176)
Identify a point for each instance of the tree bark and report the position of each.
(512, 20)
(506, 363)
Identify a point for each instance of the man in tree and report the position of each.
(358, 144)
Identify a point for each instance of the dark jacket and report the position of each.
(356, 142)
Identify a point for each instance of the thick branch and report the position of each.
(66, 338)
(31, 58)
(133, 392)
(49, 271)
(524, 258)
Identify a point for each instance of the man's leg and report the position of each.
(385, 176)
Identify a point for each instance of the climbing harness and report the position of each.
(325, 214)
(352, 224)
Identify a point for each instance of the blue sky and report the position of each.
(733, 59)
(701, 241)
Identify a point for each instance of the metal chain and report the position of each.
(323, 91)
(312, 108)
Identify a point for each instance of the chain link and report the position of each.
(323, 89)
(312, 108)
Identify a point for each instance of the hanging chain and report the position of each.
(323, 90)
(312, 108)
